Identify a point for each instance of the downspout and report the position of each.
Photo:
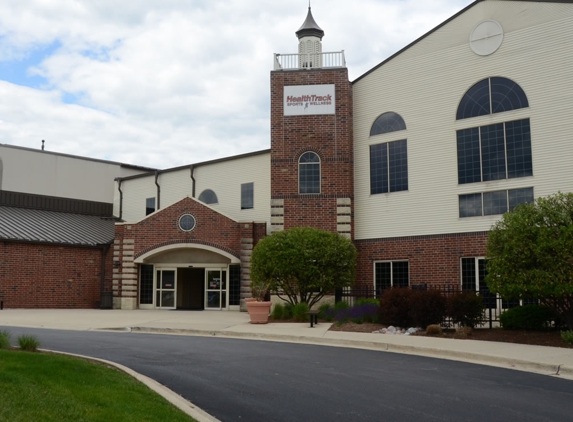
(104, 250)
(158, 206)
(192, 168)
(120, 199)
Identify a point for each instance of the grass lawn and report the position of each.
(48, 387)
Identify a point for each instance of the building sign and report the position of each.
(306, 100)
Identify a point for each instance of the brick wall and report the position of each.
(432, 259)
(329, 136)
(49, 276)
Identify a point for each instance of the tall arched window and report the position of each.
(388, 160)
(309, 173)
(497, 151)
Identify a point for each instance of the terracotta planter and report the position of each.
(259, 312)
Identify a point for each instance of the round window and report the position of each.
(187, 222)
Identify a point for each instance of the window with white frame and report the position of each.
(473, 273)
(309, 173)
(493, 203)
(389, 274)
(247, 196)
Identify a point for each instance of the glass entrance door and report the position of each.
(165, 289)
(215, 288)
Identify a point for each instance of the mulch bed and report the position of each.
(540, 338)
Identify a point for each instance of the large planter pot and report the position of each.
(259, 312)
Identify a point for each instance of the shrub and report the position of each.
(466, 308)
(278, 311)
(528, 317)
(287, 311)
(5, 340)
(341, 305)
(367, 312)
(395, 307)
(433, 330)
(427, 307)
(299, 312)
(28, 343)
(567, 336)
(368, 301)
(326, 312)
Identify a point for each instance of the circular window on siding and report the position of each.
(187, 222)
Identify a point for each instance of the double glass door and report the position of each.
(165, 294)
(215, 288)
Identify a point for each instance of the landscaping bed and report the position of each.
(550, 338)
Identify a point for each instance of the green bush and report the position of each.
(287, 311)
(341, 305)
(278, 311)
(299, 312)
(567, 336)
(466, 309)
(370, 301)
(28, 343)
(427, 307)
(528, 317)
(326, 312)
(395, 307)
(5, 340)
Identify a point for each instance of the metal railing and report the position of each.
(309, 61)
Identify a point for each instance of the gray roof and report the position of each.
(309, 28)
(30, 225)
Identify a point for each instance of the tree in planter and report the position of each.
(303, 264)
(530, 254)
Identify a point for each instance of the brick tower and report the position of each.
(311, 137)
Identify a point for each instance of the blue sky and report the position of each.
(167, 83)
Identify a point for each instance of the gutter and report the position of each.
(158, 205)
(192, 169)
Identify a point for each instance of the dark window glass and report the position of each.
(475, 102)
(247, 196)
(387, 122)
(391, 274)
(469, 274)
(149, 206)
(208, 197)
(506, 95)
(520, 196)
(398, 158)
(495, 202)
(234, 285)
(469, 161)
(519, 157)
(493, 152)
(470, 205)
(378, 168)
(146, 284)
(389, 167)
(504, 152)
(309, 173)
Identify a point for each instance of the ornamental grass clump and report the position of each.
(567, 336)
(28, 343)
(5, 340)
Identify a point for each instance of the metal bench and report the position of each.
(313, 317)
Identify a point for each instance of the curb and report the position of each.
(175, 399)
(551, 369)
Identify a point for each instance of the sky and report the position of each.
(164, 83)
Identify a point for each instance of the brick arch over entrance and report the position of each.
(234, 258)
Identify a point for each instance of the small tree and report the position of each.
(303, 264)
(530, 254)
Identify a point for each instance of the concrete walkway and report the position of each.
(538, 359)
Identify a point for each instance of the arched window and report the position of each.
(208, 197)
(387, 122)
(491, 95)
(309, 173)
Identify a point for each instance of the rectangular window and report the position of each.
(146, 284)
(389, 167)
(473, 273)
(493, 203)
(391, 274)
(247, 196)
(149, 206)
(494, 152)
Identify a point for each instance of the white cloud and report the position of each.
(168, 83)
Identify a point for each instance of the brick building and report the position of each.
(414, 161)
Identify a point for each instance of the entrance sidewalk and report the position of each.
(538, 359)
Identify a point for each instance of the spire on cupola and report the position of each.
(309, 42)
